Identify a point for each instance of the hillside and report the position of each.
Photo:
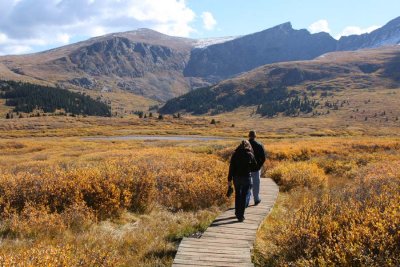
(280, 43)
(143, 62)
(389, 34)
(141, 68)
(304, 88)
(28, 98)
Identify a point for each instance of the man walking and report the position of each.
(259, 154)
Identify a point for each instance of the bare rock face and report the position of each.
(121, 57)
(280, 43)
(161, 67)
(337, 71)
(387, 35)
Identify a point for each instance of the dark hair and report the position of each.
(252, 134)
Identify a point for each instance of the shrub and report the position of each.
(172, 178)
(355, 226)
(289, 175)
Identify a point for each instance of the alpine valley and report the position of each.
(137, 69)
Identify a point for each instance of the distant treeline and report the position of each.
(269, 101)
(287, 103)
(26, 97)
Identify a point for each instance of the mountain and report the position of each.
(155, 67)
(386, 35)
(280, 43)
(294, 87)
(144, 62)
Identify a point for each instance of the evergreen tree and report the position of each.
(26, 97)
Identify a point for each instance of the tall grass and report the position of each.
(353, 221)
(123, 207)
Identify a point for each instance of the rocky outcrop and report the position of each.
(387, 35)
(124, 58)
(280, 43)
(161, 67)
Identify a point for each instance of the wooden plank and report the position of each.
(209, 258)
(211, 241)
(236, 226)
(216, 248)
(229, 230)
(212, 256)
(215, 264)
(228, 242)
(212, 251)
(250, 239)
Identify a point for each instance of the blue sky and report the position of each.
(240, 17)
(28, 26)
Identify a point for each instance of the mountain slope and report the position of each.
(144, 62)
(389, 34)
(154, 67)
(280, 43)
(296, 81)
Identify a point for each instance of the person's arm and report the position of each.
(231, 169)
(262, 156)
(253, 162)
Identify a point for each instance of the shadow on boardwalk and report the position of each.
(228, 242)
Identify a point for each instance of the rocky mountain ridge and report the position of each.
(157, 66)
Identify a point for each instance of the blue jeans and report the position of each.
(255, 177)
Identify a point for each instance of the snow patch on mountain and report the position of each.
(203, 43)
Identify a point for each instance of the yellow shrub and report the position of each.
(32, 222)
(170, 177)
(289, 175)
(380, 170)
(355, 226)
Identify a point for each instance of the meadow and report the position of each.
(74, 202)
(69, 201)
(338, 206)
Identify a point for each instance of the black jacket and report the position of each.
(242, 162)
(259, 153)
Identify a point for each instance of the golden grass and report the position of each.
(71, 200)
(104, 203)
(291, 175)
(352, 222)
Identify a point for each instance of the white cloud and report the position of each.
(3, 38)
(209, 21)
(319, 26)
(14, 49)
(351, 30)
(63, 38)
(37, 23)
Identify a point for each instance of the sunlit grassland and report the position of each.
(373, 112)
(380, 106)
(74, 201)
(339, 203)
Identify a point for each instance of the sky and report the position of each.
(28, 26)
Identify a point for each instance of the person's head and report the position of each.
(252, 135)
(245, 146)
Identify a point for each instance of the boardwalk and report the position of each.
(228, 242)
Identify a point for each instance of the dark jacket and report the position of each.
(242, 162)
(259, 153)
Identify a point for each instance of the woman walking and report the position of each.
(242, 163)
